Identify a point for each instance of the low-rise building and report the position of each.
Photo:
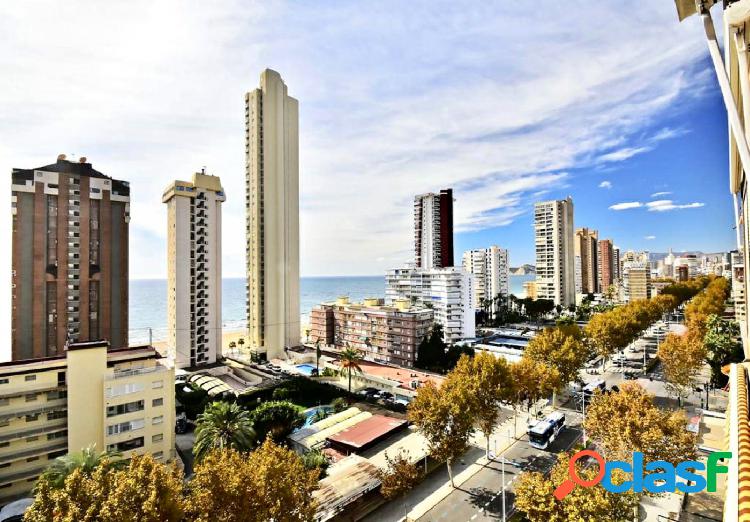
(388, 334)
(120, 400)
(448, 291)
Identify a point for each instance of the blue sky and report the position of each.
(507, 106)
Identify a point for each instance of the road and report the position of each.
(480, 498)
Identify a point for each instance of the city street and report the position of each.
(480, 498)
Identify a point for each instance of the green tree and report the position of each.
(86, 460)
(241, 342)
(271, 483)
(318, 353)
(315, 459)
(444, 416)
(431, 350)
(681, 357)
(349, 360)
(277, 419)
(723, 347)
(232, 346)
(223, 425)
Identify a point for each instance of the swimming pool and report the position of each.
(306, 369)
(310, 414)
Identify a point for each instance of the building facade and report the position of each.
(586, 243)
(607, 273)
(194, 270)
(385, 334)
(433, 230)
(272, 203)
(529, 288)
(120, 400)
(636, 281)
(446, 290)
(555, 255)
(69, 258)
(491, 274)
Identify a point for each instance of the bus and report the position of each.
(588, 391)
(544, 432)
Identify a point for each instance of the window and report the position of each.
(57, 415)
(157, 438)
(5, 465)
(4, 444)
(158, 454)
(125, 427)
(128, 407)
(4, 381)
(30, 397)
(32, 418)
(54, 395)
(158, 420)
(157, 384)
(58, 435)
(32, 438)
(32, 459)
(124, 389)
(126, 445)
(30, 378)
(4, 402)
(157, 402)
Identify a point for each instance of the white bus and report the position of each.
(545, 431)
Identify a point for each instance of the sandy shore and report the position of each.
(227, 336)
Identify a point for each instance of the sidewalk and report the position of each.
(498, 440)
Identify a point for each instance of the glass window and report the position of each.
(121, 409)
(158, 420)
(157, 438)
(126, 445)
(28, 378)
(157, 402)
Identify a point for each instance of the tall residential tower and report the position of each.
(586, 251)
(555, 256)
(70, 258)
(433, 230)
(608, 264)
(489, 266)
(194, 270)
(272, 203)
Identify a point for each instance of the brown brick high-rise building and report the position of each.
(433, 230)
(608, 265)
(70, 258)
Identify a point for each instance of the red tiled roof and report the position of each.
(367, 432)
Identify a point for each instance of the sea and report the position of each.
(148, 300)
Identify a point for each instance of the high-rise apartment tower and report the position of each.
(70, 258)
(194, 270)
(272, 202)
(489, 266)
(555, 255)
(586, 250)
(433, 230)
(607, 264)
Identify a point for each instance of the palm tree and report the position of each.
(349, 360)
(307, 335)
(232, 346)
(223, 425)
(241, 342)
(87, 460)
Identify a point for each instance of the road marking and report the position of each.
(474, 516)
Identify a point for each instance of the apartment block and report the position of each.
(608, 262)
(636, 281)
(386, 334)
(272, 203)
(491, 272)
(446, 290)
(555, 254)
(586, 250)
(120, 400)
(194, 270)
(69, 258)
(433, 230)
(529, 288)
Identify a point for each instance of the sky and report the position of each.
(612, 103)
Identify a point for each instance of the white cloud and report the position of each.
(659, 194)
(626, 205)
(393, 102)
(663, 205)
(649, 238)
(605, 185)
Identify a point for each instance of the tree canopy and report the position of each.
(223, 425)
(276, 419)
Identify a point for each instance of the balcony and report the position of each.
(137, 371)
(44, 430)
(48, 407)
(34, 452)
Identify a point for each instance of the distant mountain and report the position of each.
(523, 270)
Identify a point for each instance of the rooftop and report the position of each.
(366, 433)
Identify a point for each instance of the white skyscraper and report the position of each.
(555, 255)
(194, 270)
(446, 290)
(272, 203)
(491, 272)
